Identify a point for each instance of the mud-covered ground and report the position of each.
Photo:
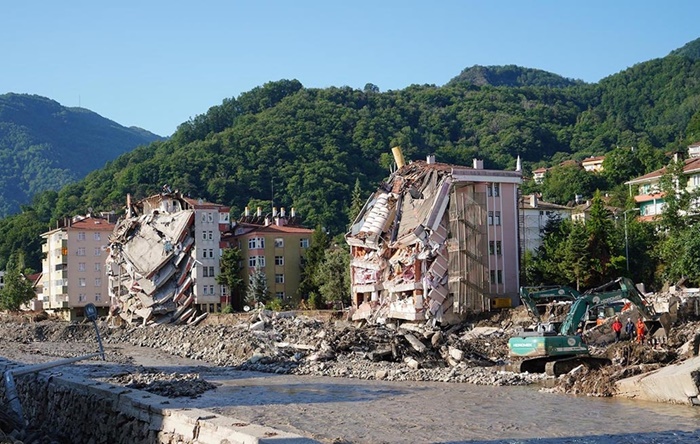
(283, 343)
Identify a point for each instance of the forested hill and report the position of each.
(44, 145)
(512, 75)
(312, 146)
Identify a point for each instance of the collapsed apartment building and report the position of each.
(436, 242)
(163, 258)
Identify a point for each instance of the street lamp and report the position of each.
(627, 248)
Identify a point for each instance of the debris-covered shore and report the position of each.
(292, 343)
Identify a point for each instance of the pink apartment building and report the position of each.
(437, 241)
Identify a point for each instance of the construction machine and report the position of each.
(558, 349)
(538, 300)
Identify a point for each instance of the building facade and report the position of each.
(211, 220)
(436, 241)
(275, 245)
(73, 268)
(647, 192)
(534, 216)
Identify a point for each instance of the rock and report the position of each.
(456, 354)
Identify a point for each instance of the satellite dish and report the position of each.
(246, 308)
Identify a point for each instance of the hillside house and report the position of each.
(649, 197)
(593, 164)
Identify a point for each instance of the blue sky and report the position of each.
(155, 64)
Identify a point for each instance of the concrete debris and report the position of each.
(419, 245)
(150, 263)
(474, 351)
(170, 385)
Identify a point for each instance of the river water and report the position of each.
(338, 410)
(346, 410)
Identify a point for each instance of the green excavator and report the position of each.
(557, 349)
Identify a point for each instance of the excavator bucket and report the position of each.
(660, 327)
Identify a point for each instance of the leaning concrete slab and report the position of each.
(676, 384)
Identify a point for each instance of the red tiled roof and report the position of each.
(275, 229)
(691, 165)
(92, 223)
(648, 197)
(201, 204)
(540, 170)
(594, 159)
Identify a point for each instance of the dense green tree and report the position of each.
(577, 255)
(258, 291)
(603, 261)
(313, 259)
(18, 290)
(562, 183)
(357, 202)
(620, 165)
(230, 275)
(333, 276)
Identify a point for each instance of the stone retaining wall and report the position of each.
(78, 410)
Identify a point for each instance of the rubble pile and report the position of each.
(170, 385)
(419, 245)
(150, 263)
(287, 343)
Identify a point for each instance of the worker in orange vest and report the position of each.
(641, 330)
(617, 328)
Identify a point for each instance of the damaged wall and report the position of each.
(421, 245)
(152, 264)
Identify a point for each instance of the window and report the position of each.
(211, 271)
(279, 295)
(204, 290)
(490, 217)
(498, 218)
(210, 235)
(211, 290)
(696, 180)
(304, 243)
(256, 242)
(492, 250)
(82, 297)
(256, 261)
(279, 242)
(98, 251)
(210, 217)
(98, 297)
(279, 279)
(98, 282)
(204, 217)
(81, 266)
(496, 276)
(205, 272)
(496, 189)
(81, 251)
(81, 235)
(98, 266)
(493, 276)
(498, 248)
(204, 235)
(97, 236)
(279, 260)
(82, 282)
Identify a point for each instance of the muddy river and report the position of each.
(334, 410)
